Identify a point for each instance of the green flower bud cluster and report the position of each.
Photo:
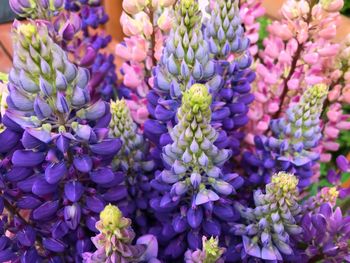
(112, 219)
(44, 83)
(211, 252)
(271, 225)
(114, 242)
(194, 158)
(131, 156)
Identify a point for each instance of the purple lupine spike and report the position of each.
(179, 67)
(62, 156)
(134, 160)
(197, 183)
(287, 150)
(269, 230)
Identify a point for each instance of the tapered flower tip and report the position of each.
(151, 244)
(27, 30)
(211, 249)
(319, 91)
(72, 215)
(27, 236)
(83, 163)
(111, 217)
(197, 97)
(54, 172)
(195, 217)
(102, 176)
(73, 191)
(8, 140)
(54, 245)
(46, 210)
(284, 181)
(94, 111)
(41, 187)
(106, 147)
(27, 158)
(186, 4)
(118, 107)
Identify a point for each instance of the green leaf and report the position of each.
(264, 22)
(346, 8)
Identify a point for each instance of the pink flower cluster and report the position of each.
(250, 11)
(146, 24)
(300, 52)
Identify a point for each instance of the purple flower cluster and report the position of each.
(61, 173)
(89, 48)
(80, 181)
(229, 47)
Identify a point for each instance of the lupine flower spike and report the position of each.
(65, 155)
(193, 189)
(134, 160)
(271, 225)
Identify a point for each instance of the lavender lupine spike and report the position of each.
(193, 189)
(185, 61)
(133, 158)
(300, 130)
(292, 144)
(269, 228)
(325, 235)
(36, 8)
(211, 252)
(63, 169)
(113, 243)
(193, 156)
(224, 34)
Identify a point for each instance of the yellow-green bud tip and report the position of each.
(118, 105)
(319, 91)
(211, 245)
(187, 3)
(28, 30)
(199, 95)
(111, 217)
(285, 181)
(212, 250)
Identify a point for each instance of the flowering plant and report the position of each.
(208, 150)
